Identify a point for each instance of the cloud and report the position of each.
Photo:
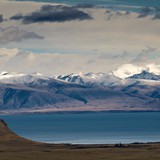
(154, 12)
(14, 34)
(124, 55)
(144, 12)
(49, 13)
(122, 32)
(157, 8)
(153, 68)
(1, 18)
(55, 63)
(149, 54)
(127, 70)
(14, 60)
(148, 59)
(17, 17)
(116, 14)
(157, 16)
(8, 53)
(85, 5)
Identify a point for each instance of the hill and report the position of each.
(21, 93)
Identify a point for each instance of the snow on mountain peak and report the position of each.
(21, 78)
(145, 75)
(128, 70)
(92, 79)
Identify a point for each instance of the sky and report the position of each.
(59, 37)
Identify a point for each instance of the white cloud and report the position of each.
(154, 68)
(53, 63)
(127, 70)
(98, 45)
(4, 52)
(16, 60)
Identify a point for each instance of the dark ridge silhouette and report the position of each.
(4, 130)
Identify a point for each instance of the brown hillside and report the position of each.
(11, 141)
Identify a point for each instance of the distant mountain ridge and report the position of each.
(90, 79)
(146, 75)
(78, 92)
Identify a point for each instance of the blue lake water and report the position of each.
(90, 128)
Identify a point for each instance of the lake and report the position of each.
(92, 128)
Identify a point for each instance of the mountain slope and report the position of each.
(9, 138)
(77, 92)
(146, 75)
(91, 79)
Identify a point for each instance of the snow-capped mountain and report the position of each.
(146, 75)
(91, 79)
(24, 79)
(78, 92)
(128, 70)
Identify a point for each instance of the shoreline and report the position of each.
(3, 113)
(83, 140)
(14, 147)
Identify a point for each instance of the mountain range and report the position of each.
(20, 93)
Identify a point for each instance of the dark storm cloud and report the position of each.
(144, 12)
(14, 34)
(17, 17)
(110, 14)
(49, 13)
(127, 13)
(108, 11)
(1, 18)
(157, 13)
(154, 12)
(85, 5)
(157, 16)
(157, 8)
